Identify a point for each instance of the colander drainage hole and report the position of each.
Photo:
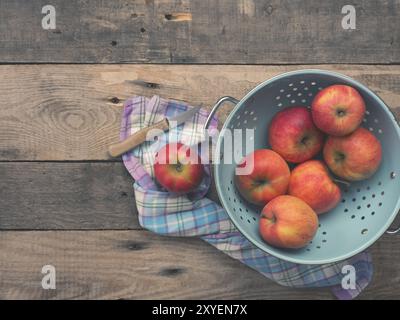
(358, 189)
(364, 231)
(254, 218)
(373, 196)
(343, 200)
(324, 233)
(324, 240)
(364, 197)
(346, 210)
(354, 199)
(248, 220)
(353, 216)
(362, 218)
(307, 249)
(380, 204)
(368, 205)
(241, 217)
(372, 213)
(318, 247)
(358, 207)
(368, 187)
(382, 193)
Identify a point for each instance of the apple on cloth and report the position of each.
(311, 182)
(294, 136)
(178, 168)
(268, 178)
(338, 110)
(288, 222)
(354, 157)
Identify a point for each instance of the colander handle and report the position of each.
(393, 231)
(216, 107)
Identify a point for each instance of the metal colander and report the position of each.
(367, 208)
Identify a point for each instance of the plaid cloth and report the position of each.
(195, 215)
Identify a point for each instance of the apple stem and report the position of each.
(347, 184)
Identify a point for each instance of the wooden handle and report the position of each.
(137, 138)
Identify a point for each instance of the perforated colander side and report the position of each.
(367, 208)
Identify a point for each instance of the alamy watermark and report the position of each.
(236, 144)
(49, 20)
(349, 20)
(49, 279)
(349, 278)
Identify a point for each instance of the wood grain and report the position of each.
(141, 265)
(72, 112)
(68, 196)
(217, 31)
(42, 195)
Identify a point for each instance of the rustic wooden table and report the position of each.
(64, 202)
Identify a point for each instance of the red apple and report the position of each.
(288, 222)
(310, 181)
(178, 168)
(267, 178)
(353, 157)
(294, 136)
(338, 110)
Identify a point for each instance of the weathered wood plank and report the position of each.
(70, 112)
(68, 196)
(41, 195)
(140, 265)
(183, 31)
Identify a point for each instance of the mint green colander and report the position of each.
(367, 208)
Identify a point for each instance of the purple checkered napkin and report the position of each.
(194, 215)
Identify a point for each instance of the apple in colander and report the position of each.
(261, 176)
(288, 222)
(294, 136)
(354, 157)
(338, 110)
(311, 182)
